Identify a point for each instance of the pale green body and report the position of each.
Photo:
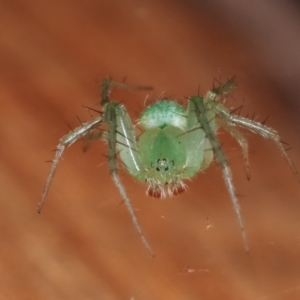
(173, 146)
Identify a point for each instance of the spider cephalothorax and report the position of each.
(177, 142)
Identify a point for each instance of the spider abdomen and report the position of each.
(163, 113)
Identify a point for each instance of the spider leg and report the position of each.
(129, 207)
(195, 140)
(120, 136)
(221, 159)
(258, 128)
(108, 84)
(119, 133)
(242, 142)
(66, 141)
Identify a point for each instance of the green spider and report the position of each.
(177, 143)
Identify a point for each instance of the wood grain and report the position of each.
(53, 55)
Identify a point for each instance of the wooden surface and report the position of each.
(53, 55)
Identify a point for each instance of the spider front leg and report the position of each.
(121, 140)
(66, 141)
(206, 119)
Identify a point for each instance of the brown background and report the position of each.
(53, 55)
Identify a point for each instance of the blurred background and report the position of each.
(53, 56)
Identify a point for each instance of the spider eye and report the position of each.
(162, 164)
